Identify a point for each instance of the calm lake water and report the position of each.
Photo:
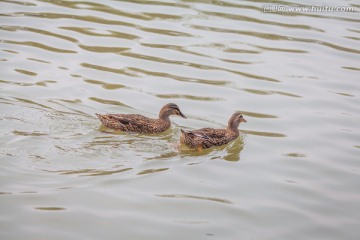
(294, 173)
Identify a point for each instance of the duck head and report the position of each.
(170, 109)
(235, 121)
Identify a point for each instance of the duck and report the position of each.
(208, 137)
(141, 124)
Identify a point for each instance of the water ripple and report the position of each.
(39, 45)
(194, 197)
(109, 33)
(88, 18)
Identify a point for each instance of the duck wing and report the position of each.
(205, 137)
(127, 122)
(133, 122)
(209, 133)
(127, 119)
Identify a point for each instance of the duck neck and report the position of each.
(233, 127)
(164, 116)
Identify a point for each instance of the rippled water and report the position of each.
(293, 174)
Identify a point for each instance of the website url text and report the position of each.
(276, 8)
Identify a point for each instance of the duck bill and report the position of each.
(181, 114)
(243, 120)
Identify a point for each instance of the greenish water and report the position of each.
(294, 173)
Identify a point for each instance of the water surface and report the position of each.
(294, 173)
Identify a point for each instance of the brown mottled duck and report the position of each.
(139, 123)
(208, 137)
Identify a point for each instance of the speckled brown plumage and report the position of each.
(139, 123)
(208, 137)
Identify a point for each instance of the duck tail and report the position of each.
(187, 133)
(100, 117)
(184, 132)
